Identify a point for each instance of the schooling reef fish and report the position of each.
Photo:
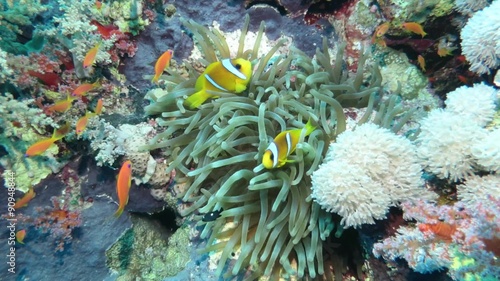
(84, 88)
(91, 56)
(123, 186)
(81, 124)
(41, 146)
(276, 154)
(227, 76)
(161, 64)
(415, 28)
(20, 236)
(62, 105)
(25, 199)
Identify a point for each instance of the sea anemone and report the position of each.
(268, 215)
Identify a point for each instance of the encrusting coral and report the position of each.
(268, 216)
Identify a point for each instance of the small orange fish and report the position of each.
(91, 55)
(98, 107)
(415, 28)
(62, 105)
(442, 229)
(81, 124)
(98, 4)
(161, 64)
(421, 62)
(84, 88)
(20, 236)
(123, 186)
(25, 199)
(382, 29)
(41, 146)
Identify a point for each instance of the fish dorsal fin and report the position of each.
(230, 67)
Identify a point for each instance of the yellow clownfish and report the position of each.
(283, 145)
(227, 75)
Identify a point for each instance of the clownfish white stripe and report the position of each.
(288, 143)
(274, 152)
(214, 83)
(230, 67)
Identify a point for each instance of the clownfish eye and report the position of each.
(271, 156)
(238, 66)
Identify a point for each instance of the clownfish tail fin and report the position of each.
(196, 99)
(309, 127)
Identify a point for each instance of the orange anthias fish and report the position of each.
(161, 64)
(85, 88)
(41, 146)
(25, 199)
(62, 105)
(123, 186)
(98, 107)
(20, 236)
(81, 124)
(91, 55)
(421, 62)
(382, 29)
(415, 28)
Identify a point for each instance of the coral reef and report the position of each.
(384, 171)
(143, 252)
(480, 39)
(266, 216)
(22, 126)
(462, 238)
(465, 122)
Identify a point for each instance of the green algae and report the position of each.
(144, 252)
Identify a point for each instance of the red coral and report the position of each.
(59, 221)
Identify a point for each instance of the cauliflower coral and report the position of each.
(481, 39)
(365, 172)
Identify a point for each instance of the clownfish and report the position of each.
(227, 76)
(283, 145)
(123, 186)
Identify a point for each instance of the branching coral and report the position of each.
(267, 215)
(22, 126)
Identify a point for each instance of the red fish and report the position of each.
(161, 64)
(123, 186)
(41, 146)
(91, 56)
(25, 199)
